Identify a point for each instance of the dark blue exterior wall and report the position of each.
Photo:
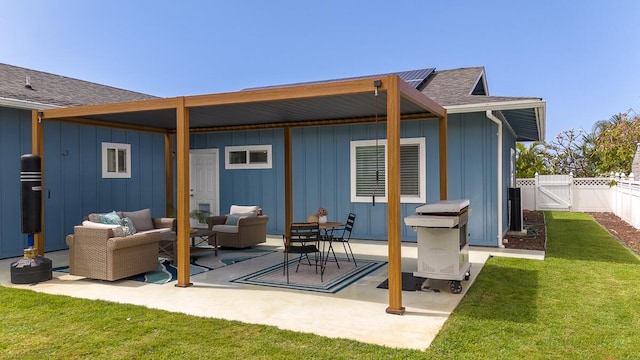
(508, 143)
(73, 183)
(15, 140)
(321, 167)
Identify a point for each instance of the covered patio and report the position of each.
(287, 107)
(354, 313)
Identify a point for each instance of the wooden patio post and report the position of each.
(182, 210)
(37, 148)
(393, 196)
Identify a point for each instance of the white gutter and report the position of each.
(499, 174)
(26, 105)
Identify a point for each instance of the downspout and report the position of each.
(493, 118)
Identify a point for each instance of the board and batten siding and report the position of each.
(73, 185)
(15, 140)
(321, 164)
(321, 168)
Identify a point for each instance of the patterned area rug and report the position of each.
(228, 257)
(307, 279)
(167, 272)
(164, 273)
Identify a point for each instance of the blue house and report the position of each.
(72, 185)
(334, 165)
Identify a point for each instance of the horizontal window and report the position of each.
(248, 157)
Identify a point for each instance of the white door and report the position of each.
(203, 165)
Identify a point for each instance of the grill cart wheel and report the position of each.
(455, 286)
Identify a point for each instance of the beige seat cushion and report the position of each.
(225, 228)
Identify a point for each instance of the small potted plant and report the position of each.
(200, 217)
(322, 215)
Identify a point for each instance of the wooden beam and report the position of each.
(293, 124)
(114, 108)
(442, 148)
(410, 93)
(37, 148)
(182, 211)
(288, 179)
(170, 208)
(393, 197)
(284, 93)
(107, 124)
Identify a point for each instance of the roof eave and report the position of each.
(24, 104)
(538, 105)
(498, 105)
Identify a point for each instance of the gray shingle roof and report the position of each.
(454, 87)
(51, 89)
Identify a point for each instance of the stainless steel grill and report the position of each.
(443, 241)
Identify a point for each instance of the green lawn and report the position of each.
(582, 302)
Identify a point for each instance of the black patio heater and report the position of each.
(31, 268)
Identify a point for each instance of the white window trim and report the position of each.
(421, 199)
(116, 146)
(248, 149)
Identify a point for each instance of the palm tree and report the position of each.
(531, 160)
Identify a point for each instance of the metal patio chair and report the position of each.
(303, 239)
(342, 234)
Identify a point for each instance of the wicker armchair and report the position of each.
(248, 232)
(243, 227)
(97, 254)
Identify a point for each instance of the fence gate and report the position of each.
(553, 192)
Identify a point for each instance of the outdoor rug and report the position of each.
(306, 278)
(229, 256)
(164, 273)
(167, 272)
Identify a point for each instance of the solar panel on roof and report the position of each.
(415, 78)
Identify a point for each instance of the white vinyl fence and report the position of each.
(616, 194)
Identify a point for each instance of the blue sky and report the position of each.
(581, 57)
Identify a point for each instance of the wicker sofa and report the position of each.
(243, 227)
(95, 252)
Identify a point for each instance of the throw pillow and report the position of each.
(120, 231)
(111, 218)
(141, 219)
(244, 215)
(237, 209)
(97, 225)
(232, 220)
(128, 224)
(94, 217)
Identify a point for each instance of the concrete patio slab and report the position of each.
(356, 312)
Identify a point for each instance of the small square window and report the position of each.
(258, 157)
(115, 160)
(237, 157)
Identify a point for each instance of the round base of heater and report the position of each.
(31, 270)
